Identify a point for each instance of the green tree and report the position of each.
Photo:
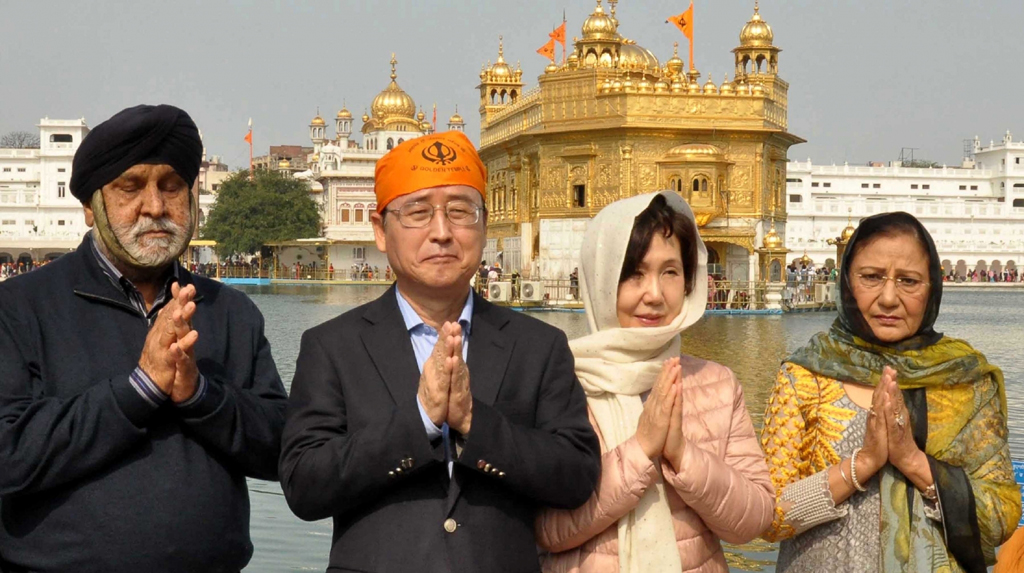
(267, 208)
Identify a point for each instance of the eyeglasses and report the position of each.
(417, 215)
(906, 285)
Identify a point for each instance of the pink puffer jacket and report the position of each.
(723, 493)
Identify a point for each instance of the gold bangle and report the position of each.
(842, 473)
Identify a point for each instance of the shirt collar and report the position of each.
(115, 275)
(413, 320)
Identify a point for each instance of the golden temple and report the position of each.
(613, 122)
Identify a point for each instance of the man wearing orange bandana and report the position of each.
(429, 423)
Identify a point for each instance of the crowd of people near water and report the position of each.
(982, 276)
(11, 269)
(442, 433)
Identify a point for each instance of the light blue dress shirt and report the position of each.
(424, 338)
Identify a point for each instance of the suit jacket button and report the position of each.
(487, 467)
(480, 464)
(501, 474)
(391, 474)
(407, 463)
(450, 525)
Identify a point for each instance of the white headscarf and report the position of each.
(616, 365)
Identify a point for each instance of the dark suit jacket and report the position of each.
(355, 449)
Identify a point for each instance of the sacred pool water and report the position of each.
(993, 321)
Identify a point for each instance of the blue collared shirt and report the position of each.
(139, 380)
(423, 338)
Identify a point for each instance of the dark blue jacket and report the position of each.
(95, 478)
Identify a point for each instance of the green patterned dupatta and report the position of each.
(957, 406)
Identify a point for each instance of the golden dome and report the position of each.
(393, 101)
(573, 61)
(634, 57)
(318, 120)
(848, 233)
(727, 88)
(806, 260)
(344, 113)
(694, 151)
(284, 164)
(660, 86)
(645, 86)
(757, 32)
(500, 69)
(550, 68)
(675, 64)
(710, 87)
(456, 119)
(677, 86)
(421, 116)
(772, 240)
(599, 26)
(757, 90)
(366, 118)
(694, 87)
(742, 89)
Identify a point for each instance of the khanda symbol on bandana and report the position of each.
(439, 153)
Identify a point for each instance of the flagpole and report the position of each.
(563, 38)
(693, 19)
(250, 146)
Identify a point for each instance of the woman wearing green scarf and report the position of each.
(886, 441)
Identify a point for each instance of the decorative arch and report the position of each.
(391, 143)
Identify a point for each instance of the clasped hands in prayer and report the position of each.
(660, 428)
(889, 436)
(444, 384)
(168, 356)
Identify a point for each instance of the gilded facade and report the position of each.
(614, 122)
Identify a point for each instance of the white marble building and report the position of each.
(974, 212)
(39, 218)
(341, 177)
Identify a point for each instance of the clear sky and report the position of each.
(867, 77)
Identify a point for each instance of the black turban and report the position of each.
(140, 134)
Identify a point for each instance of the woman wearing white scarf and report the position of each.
(681, 467)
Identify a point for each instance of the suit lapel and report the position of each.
(489, 353)
(388, 344)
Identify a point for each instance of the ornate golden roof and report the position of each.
(284, 164)
(317, 120)
(600, 26)
(694, 151)
(710, 87)
(500, 72)
(456, 119)
(344, 113)
(634, 57)
(772, 240)
(393, 101)
(757, 32)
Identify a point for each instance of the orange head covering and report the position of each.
(446, 158)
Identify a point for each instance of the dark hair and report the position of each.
(658, 217)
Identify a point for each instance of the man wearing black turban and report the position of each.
(135, 398)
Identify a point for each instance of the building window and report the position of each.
(60, 222)
(61, 170)
(814, 184)
(675, 184)
(21, 170)
(61, 138)
(7, 222)
(62, 189)
(877, 186)
(1017, 160)
(359, 215)
(863, 185)
(1018, 202)
(974, 187)
(913, 186)
(926, 187)
(391, 143)
(796, 199)
(827, 185)
(358, 253)
(579, 195)
(963, 188)
(345, 215)
(7, 169)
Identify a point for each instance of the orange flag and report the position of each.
(548, 50)
(248, 137)
(684, 22)
(559, 35)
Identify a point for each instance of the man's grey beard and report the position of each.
(152, 251)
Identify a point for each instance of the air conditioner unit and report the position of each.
(499, 291)
(532, 291)
(820, 293)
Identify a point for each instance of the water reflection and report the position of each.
(752, 346)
